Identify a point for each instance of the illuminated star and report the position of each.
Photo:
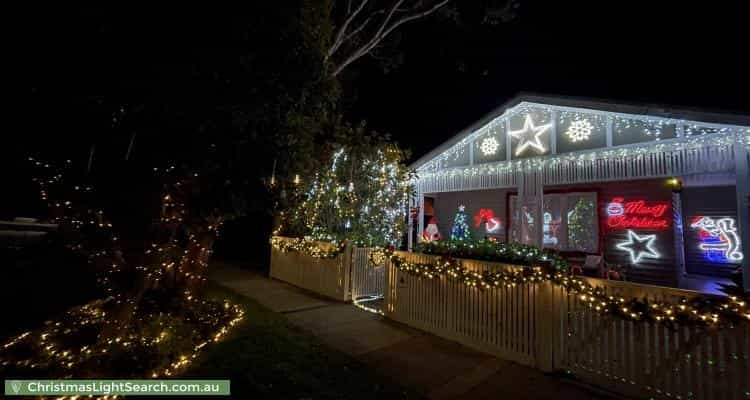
(639, 247)
(530, 135)
(461, 208)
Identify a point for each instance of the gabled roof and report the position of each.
(655, 110)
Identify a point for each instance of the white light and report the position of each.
(529, 136)
(636, 254)
(489, 146)
(493, 225)
(726, 230)
(462, 208)
(579, 131)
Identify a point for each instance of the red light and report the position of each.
(636, 214)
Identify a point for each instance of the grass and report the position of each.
(267, 357)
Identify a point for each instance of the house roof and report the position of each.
(656, 110)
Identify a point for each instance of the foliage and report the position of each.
(308, 247)
(704, 311)
(359, 195)
(487, 250)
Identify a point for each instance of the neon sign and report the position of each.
(492, 223)
(636, 214)
(639, 247)
(718, 238)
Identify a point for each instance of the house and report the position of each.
(662, 192)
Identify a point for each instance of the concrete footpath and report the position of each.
(439, 368)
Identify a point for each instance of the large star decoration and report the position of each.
(639, 247)
(529, 136)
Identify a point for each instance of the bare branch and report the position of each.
(341, 34)
(387, 26)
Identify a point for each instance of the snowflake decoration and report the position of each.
(489, 146)
(579, 131)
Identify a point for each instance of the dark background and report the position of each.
(689, 54)
(80, 65)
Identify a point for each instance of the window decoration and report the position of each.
(489, 146)
(583, 232)
(718, 238)
(492, 223)
(522, 222)
(637, 214)
(550, 227)
(639, 247)
(530, 136)
(579, 131)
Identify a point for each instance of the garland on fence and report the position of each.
(307, 247)
(702, 311)
(377, 257)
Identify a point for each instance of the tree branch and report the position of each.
(341, 34)
(385, 28)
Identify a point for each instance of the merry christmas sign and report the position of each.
(637, 214)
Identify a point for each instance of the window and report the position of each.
(569, 222)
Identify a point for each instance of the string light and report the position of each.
(705, 311)
(645, 128)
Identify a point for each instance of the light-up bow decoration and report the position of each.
(719, 235)
(492, 223)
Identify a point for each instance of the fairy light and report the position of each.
(706, 311)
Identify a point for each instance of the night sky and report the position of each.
(451, 74)
(680, 54)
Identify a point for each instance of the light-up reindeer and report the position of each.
(725, 230)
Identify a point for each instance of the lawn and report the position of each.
(267, 357)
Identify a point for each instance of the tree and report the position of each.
(460, 229)
(363, 25)
(359, 194)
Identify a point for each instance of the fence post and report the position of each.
(545, 327)
(348, 256)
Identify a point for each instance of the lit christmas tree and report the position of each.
(460, 229)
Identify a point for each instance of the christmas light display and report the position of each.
(530, 136)
(639, 247)
(360, 197)
(579, 131)
(489, 146)
(308, 247)
(719, 239)
(637, 214)
(650, 128)
(700, 311)
(492, 223)
(431, 232)
(88, 338)
(460, 228)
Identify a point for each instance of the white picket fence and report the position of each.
(368, 281)
(327, 277)
(544, 326)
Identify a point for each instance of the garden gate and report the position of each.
(368, 277)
